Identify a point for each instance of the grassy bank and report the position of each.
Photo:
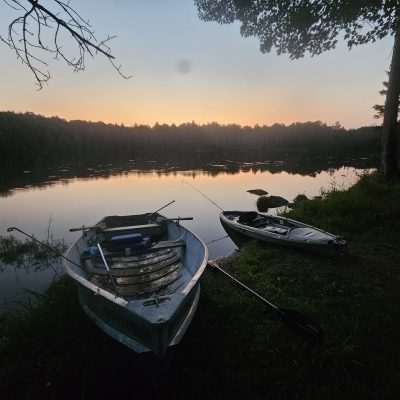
(233, 348)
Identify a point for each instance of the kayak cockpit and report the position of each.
(271, 224)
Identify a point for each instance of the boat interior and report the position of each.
(277, 225)
(139, 256)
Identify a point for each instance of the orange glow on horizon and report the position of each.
(118, 117)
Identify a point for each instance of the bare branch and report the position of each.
(38, 30)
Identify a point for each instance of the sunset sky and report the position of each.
(185, 69)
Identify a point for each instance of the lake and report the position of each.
(63, 201)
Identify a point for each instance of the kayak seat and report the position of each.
(260, 224)
(248, 217)
(276, 229)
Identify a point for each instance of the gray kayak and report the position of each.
(148, 295)
(281, 231)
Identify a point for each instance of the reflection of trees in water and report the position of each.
(43, 146)
(6, 193)
(40, 179)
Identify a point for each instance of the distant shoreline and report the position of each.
(29, 141)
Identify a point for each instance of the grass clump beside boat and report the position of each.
(234, 348)
(15, 251)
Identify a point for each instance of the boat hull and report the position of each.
(135, 332)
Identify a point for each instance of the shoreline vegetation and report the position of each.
(233, 347)
(19, 252)
(29, 141)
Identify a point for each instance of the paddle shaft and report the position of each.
(213, 264)
(293, 319)
(13, 228)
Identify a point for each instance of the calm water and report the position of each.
(75, 201)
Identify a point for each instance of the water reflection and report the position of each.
(12, 181)
(75, 197)
(20, 281)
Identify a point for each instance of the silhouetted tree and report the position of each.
(313, 26)
(40, 27)
(29, 140)
(380, 108)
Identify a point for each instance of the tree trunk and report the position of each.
(390, 145)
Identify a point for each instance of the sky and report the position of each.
(184, 69)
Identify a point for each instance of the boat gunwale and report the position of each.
(121, 301)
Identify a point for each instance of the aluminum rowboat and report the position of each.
(149, 296)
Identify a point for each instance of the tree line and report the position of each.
(28, 141)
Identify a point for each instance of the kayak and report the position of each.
(281, 231)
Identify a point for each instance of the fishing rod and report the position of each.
(51, 248)
(292, 318)
(204, 195)
(217, 240)
(162, 208)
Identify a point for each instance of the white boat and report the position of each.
(281, 231)
(146, 289)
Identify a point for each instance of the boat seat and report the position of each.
(260, 224)
(247, 217)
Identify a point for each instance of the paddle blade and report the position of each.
(302, 324)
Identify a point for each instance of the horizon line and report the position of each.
(193, 122)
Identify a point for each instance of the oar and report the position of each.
(292, 318)
(107, 267)
(88, 228)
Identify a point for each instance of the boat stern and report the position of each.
(161, 326)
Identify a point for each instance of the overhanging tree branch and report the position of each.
(298, 27)
(38, 30)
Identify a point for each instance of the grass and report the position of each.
(22, 252)
(233, 349)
